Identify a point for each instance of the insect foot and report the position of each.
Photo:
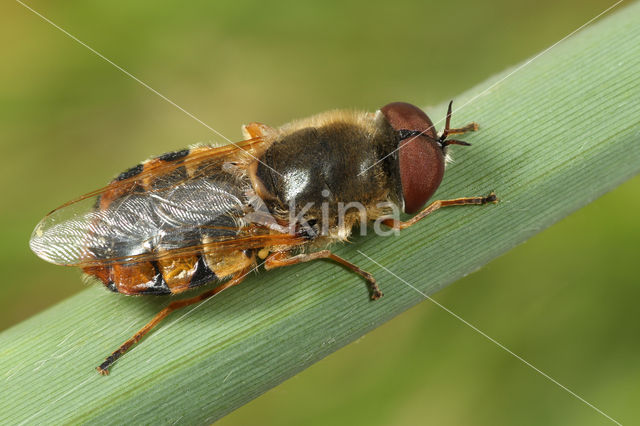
(376, 294)
(491, 198)
(374, 290)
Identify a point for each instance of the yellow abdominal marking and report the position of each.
(263, 253)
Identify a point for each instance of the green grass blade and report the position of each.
(554, 136)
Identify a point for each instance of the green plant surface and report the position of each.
(554, 136)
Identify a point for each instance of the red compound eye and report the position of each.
(420, 153)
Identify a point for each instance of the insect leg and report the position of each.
(471, 127)
(491, 198)
(235, 280)
(279, 259)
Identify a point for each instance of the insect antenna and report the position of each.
(454, 142)
(445, 133)
(443, 138)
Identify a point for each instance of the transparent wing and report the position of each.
(167, 208)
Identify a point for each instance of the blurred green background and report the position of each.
(566, 300)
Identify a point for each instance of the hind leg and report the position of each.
(235, 280)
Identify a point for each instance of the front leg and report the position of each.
(471, 127)
(396, 224)
(280, 259)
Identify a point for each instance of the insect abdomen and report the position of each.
(157, 277)
(180, 214)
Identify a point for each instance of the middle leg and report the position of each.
(280, 259)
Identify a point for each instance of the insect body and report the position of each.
(205, 214)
